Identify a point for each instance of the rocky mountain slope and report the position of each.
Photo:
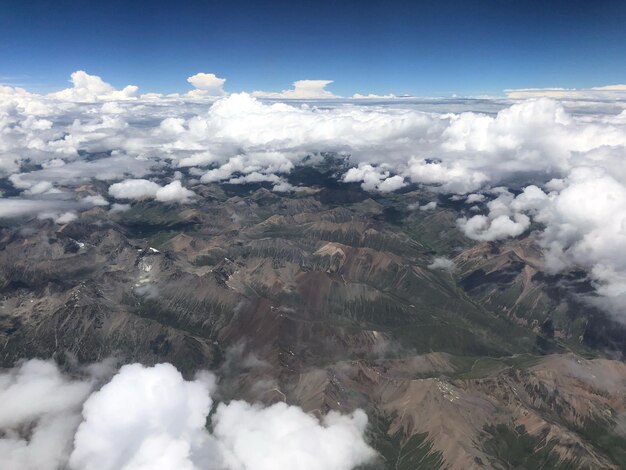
(328, 298)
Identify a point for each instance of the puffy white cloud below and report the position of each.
(36, 395)
(65, 217)
(10, 207)
(282, 437)
(502, 221)
(56, 207)
(134, 189)
(139, 189)
(443, 264)
(174, 192)
(152, 418)
(484, 228)
(586, 227)
(374, 178)
(429, 206)
(146, 418)
(584, 216)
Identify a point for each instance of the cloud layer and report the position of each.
(151, 418)
(559, 163)
(139, 189)
(609, 92)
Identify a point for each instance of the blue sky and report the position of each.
(431, 48)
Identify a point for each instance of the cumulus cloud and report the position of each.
(584, 217)
(473, 198)
(134, 189)
(96, 200)
(586, 227)
(65, 217)
(151, 417)
(174, 192)
(429, 206)
(454, 152)
(140, 189)
(302, 89)
(92, 88)
(502, 220)
(484, 228)
(285, 187)
(443, 264)
(146, 418)
(116, 207)
(206, 84)
(374, 178)
(391, 184)
(282, 437)
(36, 395)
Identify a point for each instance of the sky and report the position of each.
(402, 47)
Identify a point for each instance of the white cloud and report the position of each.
(393, 183)
(139, 189)
(373, 96)
(429, 206)
(66, 218)
(174, 192)
(285, 187)
(501, 222)
(586, 226)
(96, 200)
(119, 207)
(206, 84)
(152, 418)
(374, 178)
(282, 437)
(91, 88)
(255, 177)
(483, 228)
(455, 177)
(36, 395)
(302, 89)
(473, 198)
(261, 166)
(608, 92)
(78, 171)
(198, 159)
(39, 187)
(443, 264)
(585, 219)
(12, 207)
(145, 418)
(134, 189)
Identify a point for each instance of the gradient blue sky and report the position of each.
(419, 48)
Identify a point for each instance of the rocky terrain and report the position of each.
(328, 298)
